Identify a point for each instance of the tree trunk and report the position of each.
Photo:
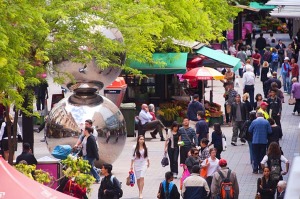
(27, 122)
(11, 141)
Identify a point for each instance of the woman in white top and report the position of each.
(141, 162)
(212, 164)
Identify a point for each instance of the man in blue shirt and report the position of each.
(259, 128)
(193, 108)
(285, 74)
(202, 129)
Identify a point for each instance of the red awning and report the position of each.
(14, 184)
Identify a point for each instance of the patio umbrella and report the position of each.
(204, 73)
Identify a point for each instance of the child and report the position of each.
(203, 152)
(217, 139)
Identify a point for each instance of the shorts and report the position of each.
(5, 145)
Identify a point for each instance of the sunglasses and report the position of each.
(196, 153)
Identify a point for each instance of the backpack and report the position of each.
(275, 57)
(167, 193)
(275, 168)
(226, 188)
(119, 186)
(267, 56)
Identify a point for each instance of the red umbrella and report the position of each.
(14, 184)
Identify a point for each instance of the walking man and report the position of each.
(202, 128)
(259, 129)
(285, 74)
(275, 106)
(249, 81)
(238, 115)
(193, 107)
(261, 44)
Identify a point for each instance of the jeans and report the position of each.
(286, 83)
(250, 89)
(251, 153)
(262, 52)
(173, 156)
(274, 66)
(93, 171)
(236, 126)
(259, 151)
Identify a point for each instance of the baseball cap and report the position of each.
(264, 104)
(222, 163)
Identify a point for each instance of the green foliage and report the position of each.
(79, 169)
(39, 175)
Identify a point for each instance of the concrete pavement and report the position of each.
(237, 156)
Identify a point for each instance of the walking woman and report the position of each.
(258, 101)
(141, 162)
(172, 148)
(266, 187)
(216, 139)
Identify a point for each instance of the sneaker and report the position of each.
(233, 143)
(162, 139)
(255, 172)
(43, 140)
(243, 141)
(293, 113)
(153, 135)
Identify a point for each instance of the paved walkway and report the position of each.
(237, 157)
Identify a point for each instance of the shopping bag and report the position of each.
(292, 101)
(185, 174)
(203, 172)
(165, 161)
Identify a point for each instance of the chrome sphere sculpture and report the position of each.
(66, 120)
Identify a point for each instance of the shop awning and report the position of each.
(227, 60)
(261, 6)
(169, 63)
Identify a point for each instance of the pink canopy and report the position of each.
(14, 184)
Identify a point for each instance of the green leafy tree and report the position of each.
(34, 32)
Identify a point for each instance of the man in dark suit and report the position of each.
(238, 116)
(281, 186)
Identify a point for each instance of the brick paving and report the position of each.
(237, 157)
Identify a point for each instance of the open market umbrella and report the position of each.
(204, 73)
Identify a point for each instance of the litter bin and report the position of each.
(128, 111)
(116, 91)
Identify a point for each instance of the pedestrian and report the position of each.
(285, 74)
(204, 151)
(141, 162)
(88, 123)
(90, 151)
(26, 156)
(188, 136)
(265, 71)
(4, 136)
(249, 81)
(216, 139)
(248, 37)
(41, 94)
(243, 57)
(238, 117)
(258, 101)
(259, 129)
(266, 187)
(230, 95)
(193, 159)
(264, 110)
(275, 106)
(281, 50)
(192, 110)
(167, 188)
(211, 164)
(248, 135)
(295, 69)
(275, 60)
(202, 129)
(261, 44)
(273, 160)
(229, 75)
(279, 93)
(246, 102)
(281, 187)
(256, 62)
(219, 178)
(110, 185)
(276, 132)
(148, 124)
(271, 41)
(194, 186)
(172, 148)
(271, 80)
(296, 95)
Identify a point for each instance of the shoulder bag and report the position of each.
(292, 101)
(203, 171)
(192, 143)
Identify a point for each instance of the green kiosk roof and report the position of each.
(228, 60)
(171, 63)
(261, 6)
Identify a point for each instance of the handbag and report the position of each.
(165, 161)
(228, 108)
(292, 101)
(20, 139)
(128, 181)
(203, 172)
